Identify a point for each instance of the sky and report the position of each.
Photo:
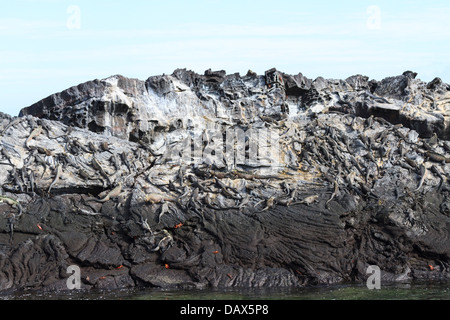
(50, 45)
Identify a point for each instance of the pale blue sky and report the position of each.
(49, 45)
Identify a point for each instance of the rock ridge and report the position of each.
(216, 180)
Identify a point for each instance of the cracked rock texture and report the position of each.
(192, 181)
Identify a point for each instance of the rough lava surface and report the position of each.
(216, 180)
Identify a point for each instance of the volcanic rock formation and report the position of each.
(189, 180)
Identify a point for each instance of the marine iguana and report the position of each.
(33, 134)
(13, 203)
(112, 194)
